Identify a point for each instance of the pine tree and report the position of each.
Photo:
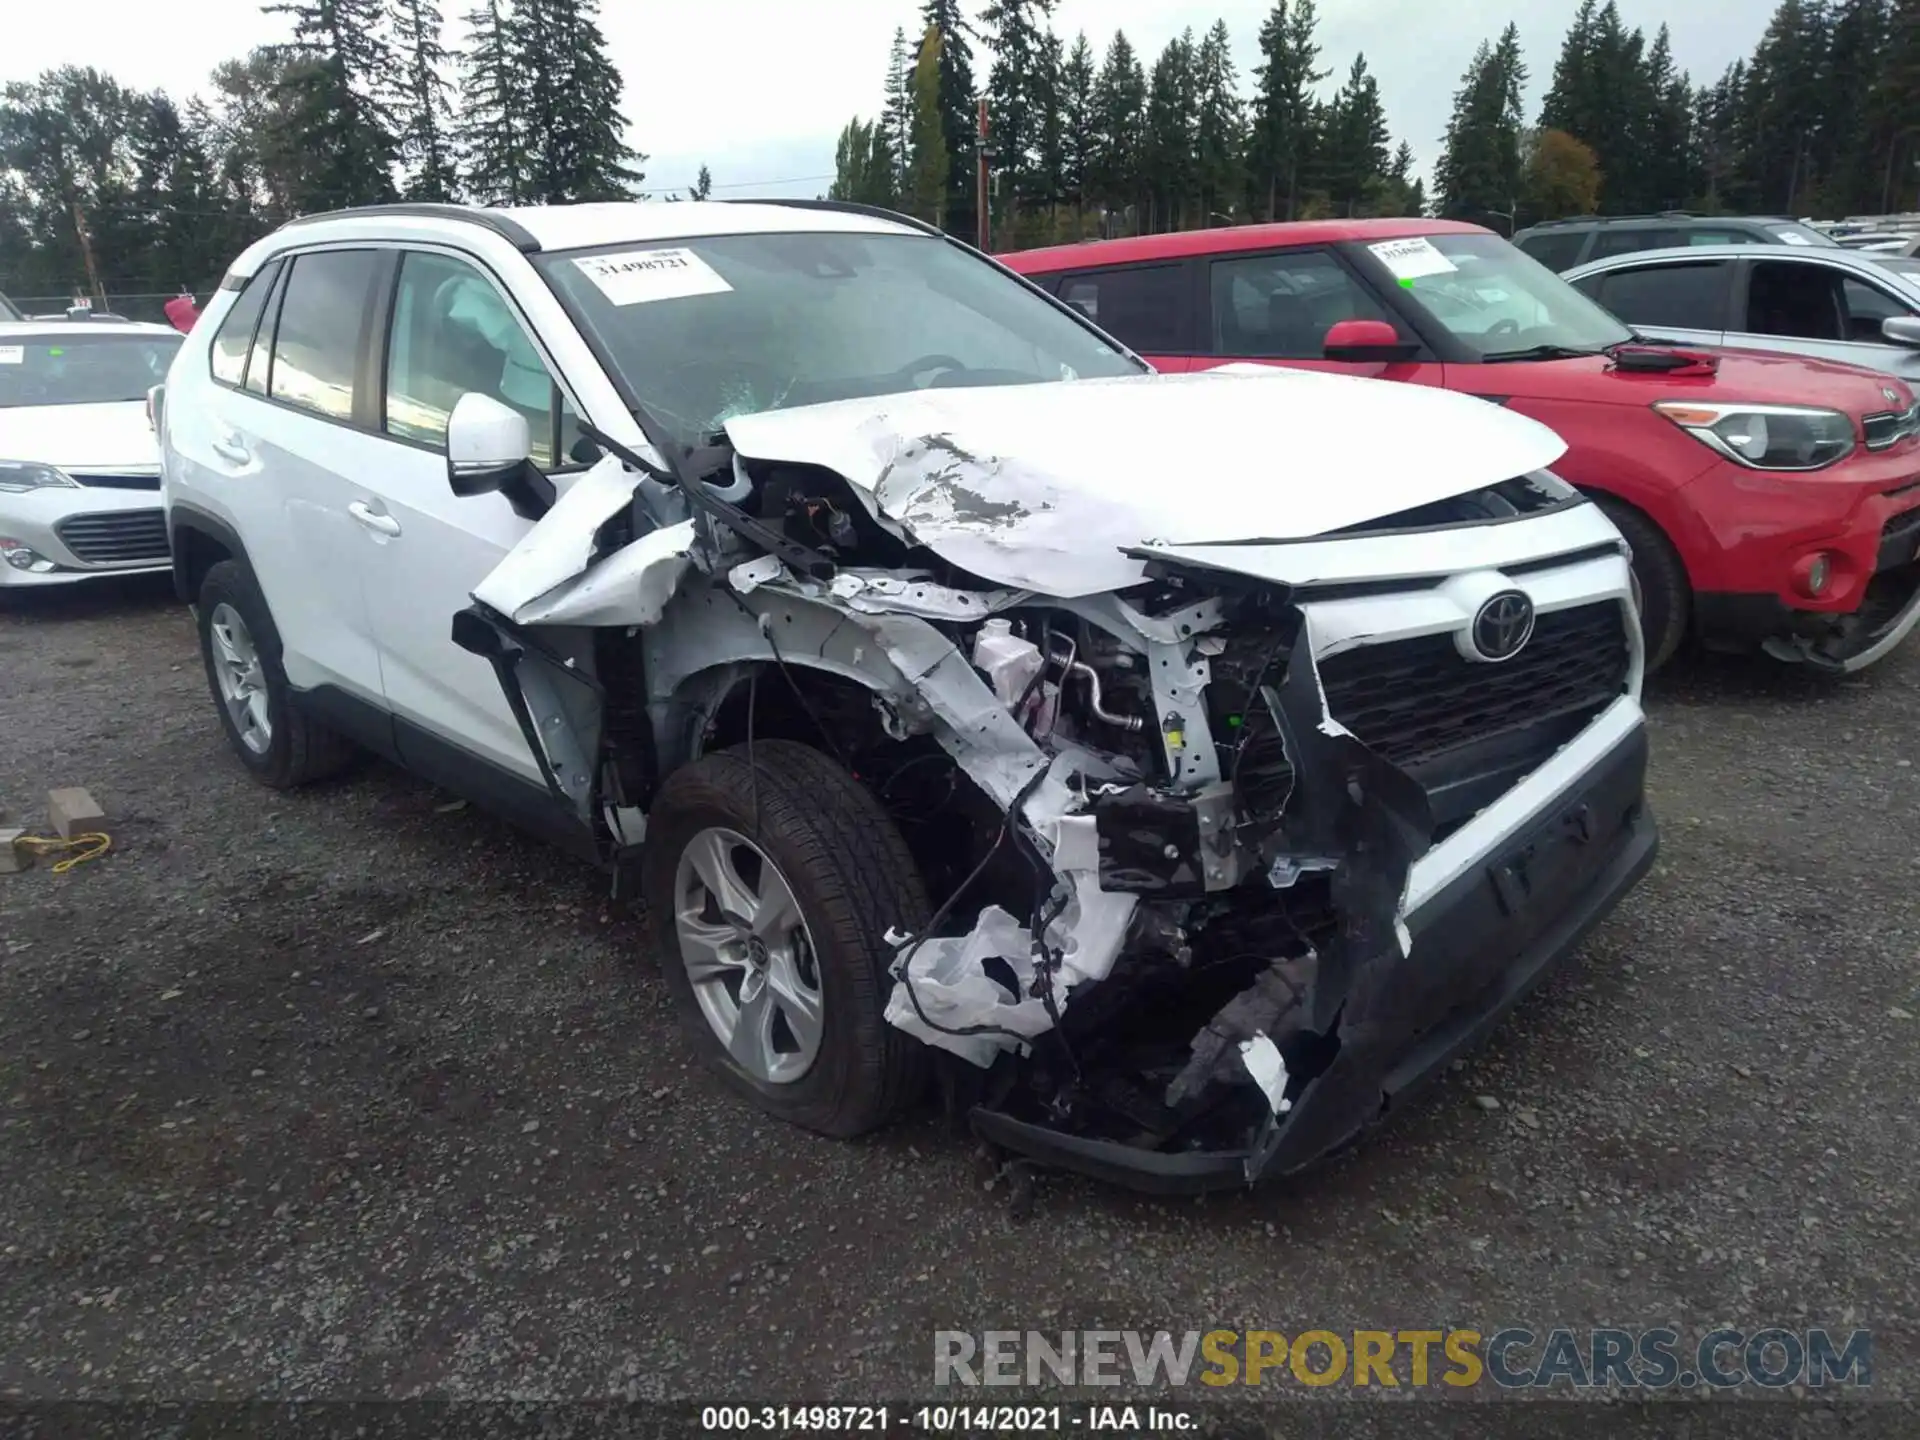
(702, 188)
(1220, 127)
(897, 120)
(575, 145)
(1118, 172)
(1893, 108)
(424, 113)
(494, 138)
(1354, 142)
(931, 156)
(1078, 131)
(1860, 37)
(1479, 172)
(1788, 95)
(959, 123)
(1280, 149)
(1050, 104)
(1665, 138)
(863, 165)
(340, 69)
(1016, 97)
(1172, 115)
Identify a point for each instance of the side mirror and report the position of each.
(1902, 330)
(488, 445)
(1366, 342)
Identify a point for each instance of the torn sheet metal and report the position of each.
(560, 545)
(1041, 487)
(630, 587)
(977, 994)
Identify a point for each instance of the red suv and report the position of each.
(1770, 501)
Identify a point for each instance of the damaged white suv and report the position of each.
(1178, 767)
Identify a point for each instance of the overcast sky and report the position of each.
(758, 89)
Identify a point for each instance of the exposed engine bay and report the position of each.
(1170, 883)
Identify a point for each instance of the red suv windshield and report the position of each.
(1497, 301)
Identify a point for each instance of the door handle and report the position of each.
(373, 519)
(231, 447)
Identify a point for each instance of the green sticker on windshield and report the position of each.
(55, 350)
(1407, 283)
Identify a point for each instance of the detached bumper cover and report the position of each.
(1481, 942)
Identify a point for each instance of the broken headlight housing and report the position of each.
(19, 476)
(1766, 437)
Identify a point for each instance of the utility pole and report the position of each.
(86, 253)
(985, 221)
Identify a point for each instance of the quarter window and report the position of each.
(316, 348)
(455, 334)
(235, 336)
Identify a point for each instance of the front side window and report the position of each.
(453, 334)
(1674, 297)
(706, 329)
(1280, 307)
(316, 347)
(1867, 305)
(235, 335)
(1497, 302)
(82, 369)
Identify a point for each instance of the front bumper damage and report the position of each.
(1483, 939)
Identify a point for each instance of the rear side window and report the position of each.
(1683, 297)
(235, 335)
(1556, 251)
(316, 348)
(1615, 240)
(1720, 237)
(1143, 307)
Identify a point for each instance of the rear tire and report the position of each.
(808, 830)
(1665, 597)
(240, 647)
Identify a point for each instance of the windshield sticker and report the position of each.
(639, 277)
(1411, 259)
(13, 354)
(1791, 238)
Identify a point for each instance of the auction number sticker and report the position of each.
(640, 277)
(13, 354)
(1411, 259)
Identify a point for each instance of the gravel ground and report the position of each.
(358, 1093)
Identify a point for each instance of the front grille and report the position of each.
(1890, 426)
(1415, 701)
(1899, 540)
(116, 482)
(115, 537)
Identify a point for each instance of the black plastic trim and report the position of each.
(511, 231)
(184, 517)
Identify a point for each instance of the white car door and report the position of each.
(453, 330)
(272, 446)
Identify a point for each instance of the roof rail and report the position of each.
(514, 234)
(848, 207)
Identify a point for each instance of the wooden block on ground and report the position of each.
(74, 812)
(13, 857)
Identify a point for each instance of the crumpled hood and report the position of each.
(1043, 487)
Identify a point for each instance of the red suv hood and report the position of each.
(1739, 375)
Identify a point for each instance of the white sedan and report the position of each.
(79, 466)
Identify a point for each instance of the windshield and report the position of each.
(81, 369)
(705, 329)
(1907, 270)
(1497, 301)
(1794, 234)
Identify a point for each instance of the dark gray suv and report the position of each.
(1563, 244)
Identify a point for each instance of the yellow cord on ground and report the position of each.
(84, 847)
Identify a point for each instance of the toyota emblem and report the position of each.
(1503, 626)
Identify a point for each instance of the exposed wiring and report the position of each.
(83, 847)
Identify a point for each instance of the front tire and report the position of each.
(280, 746)
(1663, 593)
(769, 896)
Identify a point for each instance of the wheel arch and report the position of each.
(199, 542)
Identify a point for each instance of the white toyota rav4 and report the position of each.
(1177, 767)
